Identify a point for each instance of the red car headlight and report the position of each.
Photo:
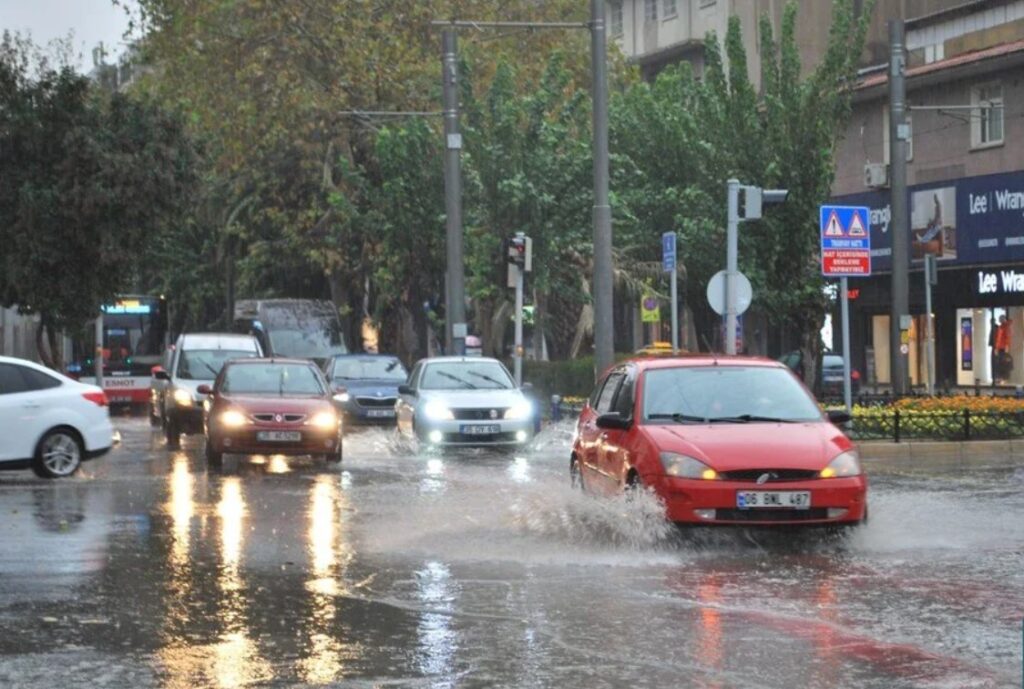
(843, 466)
(683, 466)
(233, 418)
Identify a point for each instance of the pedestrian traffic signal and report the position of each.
(518, 251)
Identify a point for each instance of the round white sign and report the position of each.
(716, 292)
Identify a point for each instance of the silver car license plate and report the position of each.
(489, 429)
(279, 436)
(380, 413)
(790, 499)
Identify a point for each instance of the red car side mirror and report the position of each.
(204, 389)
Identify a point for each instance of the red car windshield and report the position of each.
(710, 394)
(272, 379)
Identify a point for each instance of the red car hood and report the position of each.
(282, 405)
(733, 446)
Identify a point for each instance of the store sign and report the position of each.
(999, 282)
(964, 221)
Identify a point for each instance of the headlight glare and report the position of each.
(324, 419)
(233, 419)
(183, 397)
(521, 410)
(682, 466)
(436, 410)
(843, 466)
(343, 397)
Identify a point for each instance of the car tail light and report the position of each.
(855, 374)
(97, 398)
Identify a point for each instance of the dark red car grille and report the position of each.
(774, 475)
(285, 418)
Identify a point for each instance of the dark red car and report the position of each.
(727, 440)
(271, 406)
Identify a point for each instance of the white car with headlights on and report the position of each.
(464, 401)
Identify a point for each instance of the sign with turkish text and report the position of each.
(845, 241)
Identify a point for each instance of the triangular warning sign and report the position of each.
(833, 228)
(856, 226)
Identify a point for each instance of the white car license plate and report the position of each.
(380, 413)
(480, 430)
(279, 436)
(796, 499)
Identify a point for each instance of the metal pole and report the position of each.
(604, 343)
(900, 215)
(731, 261)
(929, 344)
(455, 298)
(675, 310)
(847, 385)
(518, 359)
(98, 360)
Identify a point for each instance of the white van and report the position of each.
(196, 358)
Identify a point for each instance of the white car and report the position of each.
(464, 401)
(49, 422)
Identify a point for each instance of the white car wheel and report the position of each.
(59, 454)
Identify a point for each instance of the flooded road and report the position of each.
(147, 570)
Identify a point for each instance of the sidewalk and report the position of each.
(1000, 452)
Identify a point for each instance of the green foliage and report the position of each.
(87, 183)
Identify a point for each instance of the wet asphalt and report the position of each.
(477, 570)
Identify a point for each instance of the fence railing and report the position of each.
(897, 425)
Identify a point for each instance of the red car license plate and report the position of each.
(789, 499)
(279, 436)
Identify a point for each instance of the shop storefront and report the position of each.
(975, 228)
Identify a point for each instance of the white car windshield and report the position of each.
(726, 394)
(464, 375)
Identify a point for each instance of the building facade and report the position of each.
(965, 172)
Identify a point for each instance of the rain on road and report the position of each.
(147, 570)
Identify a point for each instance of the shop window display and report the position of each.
(990, 346)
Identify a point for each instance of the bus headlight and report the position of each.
(183, 397)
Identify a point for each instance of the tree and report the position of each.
(87, 182)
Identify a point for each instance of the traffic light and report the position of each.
(519, 251)
(756, 197)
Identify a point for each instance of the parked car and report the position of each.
(365, 386)
(464, 401)
(196, 358)
(734, 440)
(830, 372)
(49, 422)
(271, 406)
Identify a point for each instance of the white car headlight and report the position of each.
(343, 397)
(436, 410)
(843, 466)
(324, 419)
(521, 410)
(183, 397)
(233, 419)
(682, 466)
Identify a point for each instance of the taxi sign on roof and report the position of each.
(845, 241)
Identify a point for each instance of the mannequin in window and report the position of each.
(1004, 360)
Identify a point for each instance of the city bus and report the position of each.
(134, 338)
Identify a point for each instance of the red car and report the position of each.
(727, 440)
(271, 406)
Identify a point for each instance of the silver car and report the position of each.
(464, 401)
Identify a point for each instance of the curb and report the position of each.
(881, 450)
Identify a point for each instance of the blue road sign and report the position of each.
(845, 241)
(668, 252)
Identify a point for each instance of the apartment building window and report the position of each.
(651, 10)
(668, 8)
(987, 118)
(616, 17)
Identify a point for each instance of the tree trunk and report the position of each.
(48, 346)
(810, 353)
